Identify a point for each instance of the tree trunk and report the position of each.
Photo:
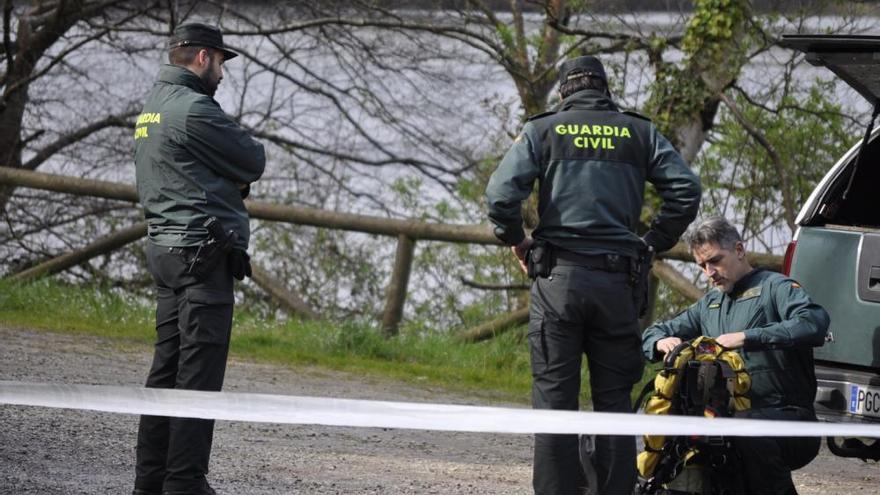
(684, 100)
(38, 30)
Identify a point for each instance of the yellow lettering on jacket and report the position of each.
(593, 136)
(140, 130)
(149, 118)
(596, 143)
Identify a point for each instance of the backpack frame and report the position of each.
(699, 378)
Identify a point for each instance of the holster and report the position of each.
(640, 272)
(539, 259)
(213, 251)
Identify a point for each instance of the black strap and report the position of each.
(861, 151)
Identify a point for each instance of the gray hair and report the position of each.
(715, 230)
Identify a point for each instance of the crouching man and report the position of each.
(773, 323)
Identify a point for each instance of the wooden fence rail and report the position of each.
(301, 215)
(407, 232)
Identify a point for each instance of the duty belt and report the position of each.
(604, 262)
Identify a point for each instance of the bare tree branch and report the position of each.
(782, 173)
(78, 135)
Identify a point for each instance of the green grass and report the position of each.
(75, 309)
(497, 369)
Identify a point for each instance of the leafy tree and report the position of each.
(397, 113)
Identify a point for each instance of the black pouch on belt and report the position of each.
(539, 259)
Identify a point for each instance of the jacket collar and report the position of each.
(174, 74)
(745, 282)
(588, 99)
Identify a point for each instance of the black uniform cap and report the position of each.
(198, 34)
(587, 65)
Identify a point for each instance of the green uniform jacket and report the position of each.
(190, 160)
(781, 323)
(592, 162)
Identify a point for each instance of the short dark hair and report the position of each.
(576, 84)
(715, 230)
(186, 55)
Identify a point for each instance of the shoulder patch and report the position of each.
(540, 115)
(636, 114)
(753, 292)
(782, 279)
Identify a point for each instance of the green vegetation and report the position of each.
(808, 131)
(82, 309)
(498, 369)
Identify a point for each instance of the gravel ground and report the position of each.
(53, 451)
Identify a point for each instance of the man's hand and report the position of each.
(732, 340)
(667, 344)
(520, 252)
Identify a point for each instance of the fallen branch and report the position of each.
(288, 300)
(104, 245)
(670, 276)
(496, 327)
(481, 286)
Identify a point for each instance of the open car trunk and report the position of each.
(836, 254)
(847, 195)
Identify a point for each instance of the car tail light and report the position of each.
(789, 256)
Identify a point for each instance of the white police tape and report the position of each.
(268, 408)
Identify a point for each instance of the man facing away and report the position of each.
(194, 166)
(773, 323)
(591, 162)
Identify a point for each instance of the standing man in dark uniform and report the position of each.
(591, 161)
(194, 167)
(774, 324)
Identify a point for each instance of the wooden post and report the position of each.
(104, 245)
(396, 295)
(290, 301)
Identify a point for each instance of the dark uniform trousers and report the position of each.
(576, 311)
(193, 325)
(769, 461)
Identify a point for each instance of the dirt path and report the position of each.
(47, 451)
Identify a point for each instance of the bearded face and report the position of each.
(213, 73)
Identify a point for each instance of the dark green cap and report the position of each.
(587, 65)
(198, 34)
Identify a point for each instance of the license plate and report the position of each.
(864, 400)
